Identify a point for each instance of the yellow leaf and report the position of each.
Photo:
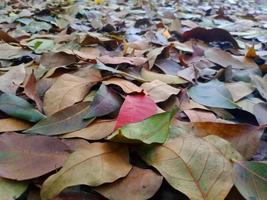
(99, 1)
(251, 53)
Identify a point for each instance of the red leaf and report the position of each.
(135, 108)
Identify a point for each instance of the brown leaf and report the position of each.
(225, 59)
(58, 59)
(159, 91)
(12, 124)
(209, 35)
(244, 137)
(94, 131)
(26, 157)
(66, 91)
(30, 91)
(137, 61)
(127, 86)
(11, 80)
(140, 184)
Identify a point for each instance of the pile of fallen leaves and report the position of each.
(133, 100)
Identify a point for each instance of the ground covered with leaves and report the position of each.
(133, 100)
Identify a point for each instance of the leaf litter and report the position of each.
(133, 99)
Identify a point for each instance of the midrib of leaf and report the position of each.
(189, 170)
(252, 172)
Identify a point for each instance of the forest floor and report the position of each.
(133, 100)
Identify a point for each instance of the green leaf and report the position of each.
(212, 94)
(105, 102)
(65, 121)
(17, 107)
(41, 45)
(99, 163)
(197, 167)
(154, 129)
(250, 178)
(11, 190)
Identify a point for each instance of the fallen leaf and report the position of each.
(67, 120)
(66, 91)
(11, 189)
(212, 94)
(105, 102)
(137, 61)
(154, 129)
(239, 90)
(197, 167)
(224, 59)
(139, 184)
(209, 35)
(250, 178)
(58, 59)
(19, 108)
(200, 116)
(75, 195)
(159, 91)
(9, 52)
(108, 162)
(94, 131)
(135, 108)
(244, 137)
(260, 112)
(31, 92)
(127, 86)
(169, 79)
(12, 124)
(153, 54)
(260, 84)
(11, 80)
(26, 157)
